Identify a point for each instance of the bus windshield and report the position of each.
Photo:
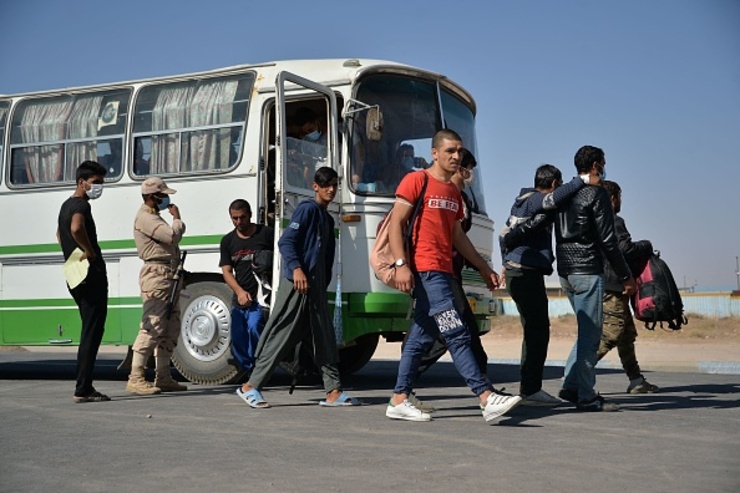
(411, 114)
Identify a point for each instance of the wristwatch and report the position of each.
(399, 263)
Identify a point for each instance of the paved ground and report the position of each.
(684, 439)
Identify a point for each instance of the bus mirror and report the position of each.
(374, 125)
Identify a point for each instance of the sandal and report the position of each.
(344, 399)
(94, 397)
(253, 398)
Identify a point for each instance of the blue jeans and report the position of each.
(246, 327)
(585, 293)
(436, 313)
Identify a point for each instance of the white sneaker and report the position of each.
(541, 399)
(421, 406)
(406, 411)
(499, 404)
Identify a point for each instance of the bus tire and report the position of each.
(353, 358)
(203, 351)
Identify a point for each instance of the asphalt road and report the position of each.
(683, 439)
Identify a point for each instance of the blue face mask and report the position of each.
(313, 136)
(409, 163)
(164, 203)
(603, 174)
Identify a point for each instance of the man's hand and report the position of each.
(404, 279)
(244, 299)
(490, 277)
(300, 281)
(630, 287)
(174, 210)
(89, 255)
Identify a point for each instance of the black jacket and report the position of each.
(584, 230)
(636, 253)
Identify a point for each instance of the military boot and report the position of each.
(138, 385)
(163, 376)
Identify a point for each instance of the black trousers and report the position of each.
(92, 299)
(527, 289)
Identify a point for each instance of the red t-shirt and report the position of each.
(432, 238)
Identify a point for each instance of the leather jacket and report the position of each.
(584, 230)
(636, 253)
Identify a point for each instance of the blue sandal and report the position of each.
(344, 399)
(253, 398)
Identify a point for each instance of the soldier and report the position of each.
(157, 244)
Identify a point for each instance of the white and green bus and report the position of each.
(216, 136)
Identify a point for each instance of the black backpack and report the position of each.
(657, 299)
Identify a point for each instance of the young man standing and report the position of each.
(239, 248)
(619, 327)
(158, 246)
(307, 247)
(428, 270)
(526, 247)
(76, 229)
(585, 236)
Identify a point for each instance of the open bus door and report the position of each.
(297, 159)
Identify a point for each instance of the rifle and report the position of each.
(177, 282)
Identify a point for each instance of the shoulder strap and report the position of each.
(417, 207)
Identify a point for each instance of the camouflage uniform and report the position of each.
(157, 245)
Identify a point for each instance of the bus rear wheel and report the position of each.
(203, 352)
(352, 358)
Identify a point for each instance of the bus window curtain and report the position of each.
(212, 105)
(169, 113)
(82, 123)
(44, 122)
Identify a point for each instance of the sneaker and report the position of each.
(541, 399)
(570, 395)
(499, 404)
(421, 406)
(644, 387)
(406, 411)
(597, 404)
(94, 397)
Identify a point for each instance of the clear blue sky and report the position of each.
(655, 83)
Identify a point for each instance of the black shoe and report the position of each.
(569, 395)
(597, 404)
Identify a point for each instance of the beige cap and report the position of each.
(154, 184)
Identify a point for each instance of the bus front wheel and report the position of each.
(203, 352)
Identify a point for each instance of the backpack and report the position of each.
(657, 299)
(382, 260)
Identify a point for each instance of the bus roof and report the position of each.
(329, 72)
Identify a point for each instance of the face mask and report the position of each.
(96, 190)
(409, 163)
(469, 181)
(602, 174)
(313, 136)
(164, 203)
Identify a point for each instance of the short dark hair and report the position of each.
(445, 133)
(612, 187)
(324, 176)
(586, 157)
(304, 115)
(545, 175)
(240, 205)
(468, 159)
(88, 169)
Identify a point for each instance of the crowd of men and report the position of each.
(594, 254)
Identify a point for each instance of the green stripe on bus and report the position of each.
(65, 302)
(105, 245)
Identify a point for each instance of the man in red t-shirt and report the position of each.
(436, 232)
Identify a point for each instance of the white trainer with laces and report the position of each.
(499, 404)
(541, 399)
(406, 411)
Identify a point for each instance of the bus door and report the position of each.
(298, 157)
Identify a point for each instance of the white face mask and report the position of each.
(95, 191)
(469, 181)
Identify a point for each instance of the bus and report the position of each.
(216, 136)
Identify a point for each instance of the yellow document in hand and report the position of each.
(75, 268)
